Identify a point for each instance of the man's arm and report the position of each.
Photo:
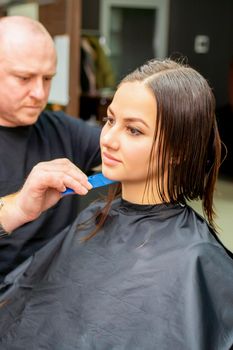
(41, 190)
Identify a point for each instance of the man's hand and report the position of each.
(42, 190)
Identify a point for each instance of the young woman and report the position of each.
(143, 270)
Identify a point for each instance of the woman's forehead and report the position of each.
(134, 99)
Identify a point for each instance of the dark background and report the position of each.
(189, 18)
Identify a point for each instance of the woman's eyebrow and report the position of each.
(130, 119)
(110, 110)
(136, 119)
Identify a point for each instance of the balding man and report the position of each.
(29, 135)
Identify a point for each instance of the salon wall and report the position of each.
(187, 20)
(211, 18)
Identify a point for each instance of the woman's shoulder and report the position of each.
(204, 236)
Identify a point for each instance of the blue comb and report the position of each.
(97, 180)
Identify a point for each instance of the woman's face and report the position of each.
(127, 138)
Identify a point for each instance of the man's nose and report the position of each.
(37, 90)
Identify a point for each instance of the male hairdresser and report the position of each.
(29, 135)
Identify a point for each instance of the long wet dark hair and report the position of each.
(187, 141)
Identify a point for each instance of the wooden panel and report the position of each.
(53, 17)
(73, 29)
(64, 17)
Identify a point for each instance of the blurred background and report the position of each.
(99, 41)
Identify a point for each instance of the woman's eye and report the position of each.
(134, 131)
(108, 120)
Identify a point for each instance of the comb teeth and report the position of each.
(97, 180)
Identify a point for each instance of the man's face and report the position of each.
(26, 71)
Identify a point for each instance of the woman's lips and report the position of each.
(107, 159)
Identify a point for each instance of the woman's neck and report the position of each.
(135, 193)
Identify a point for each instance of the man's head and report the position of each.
(27, 65)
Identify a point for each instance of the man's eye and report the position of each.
(48, 78)
(24, 78)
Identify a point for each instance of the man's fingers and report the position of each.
(59, 174)
(76, 186)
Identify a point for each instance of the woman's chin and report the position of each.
(111, 175)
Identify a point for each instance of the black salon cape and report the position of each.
(154, 277)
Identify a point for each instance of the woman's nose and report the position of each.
(110, 138)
